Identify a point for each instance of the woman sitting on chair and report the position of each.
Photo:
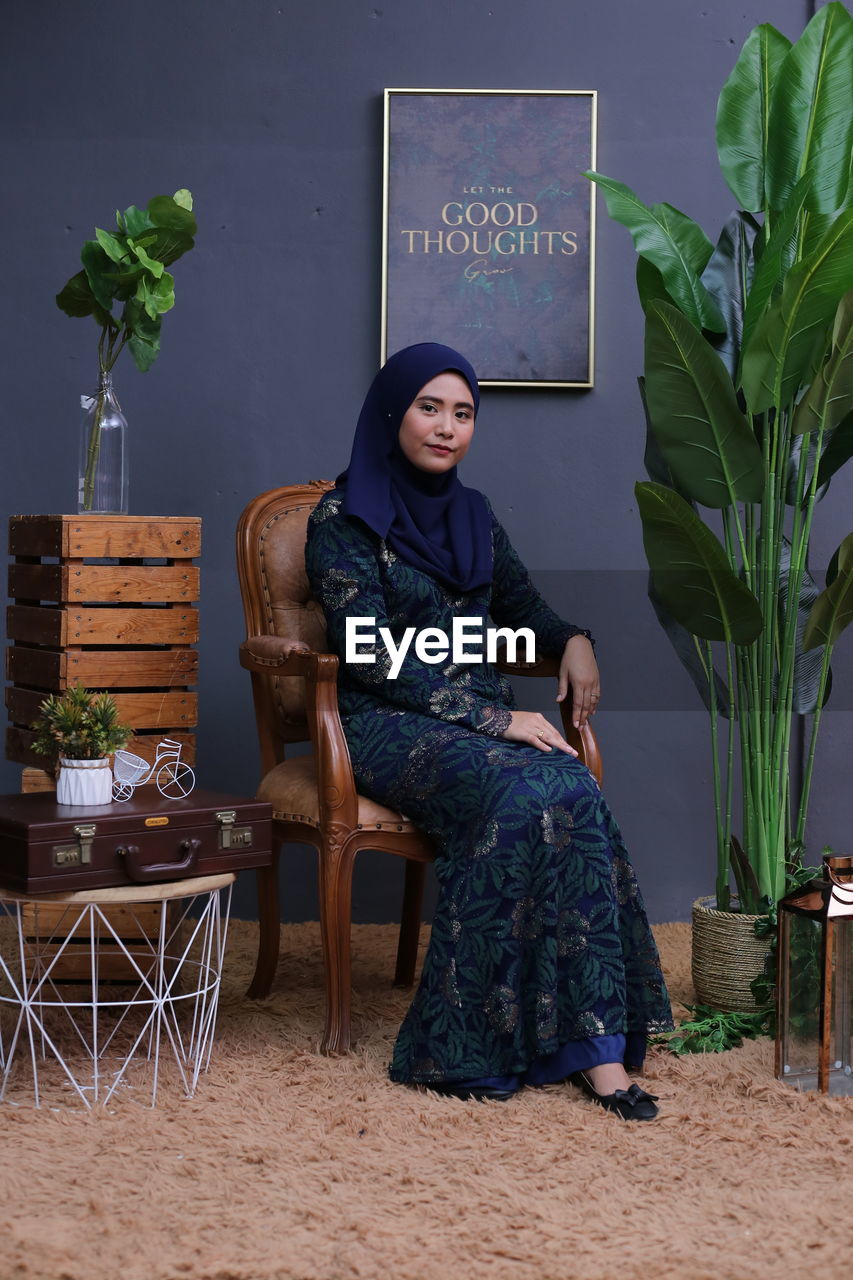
(541, 965)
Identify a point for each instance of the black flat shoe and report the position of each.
(630, 1104)
(479, 1092)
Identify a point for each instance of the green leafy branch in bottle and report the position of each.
(128, 267)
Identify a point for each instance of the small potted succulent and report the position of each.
(81, 730)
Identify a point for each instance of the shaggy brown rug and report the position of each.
(289, 1166)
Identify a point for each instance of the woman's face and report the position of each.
(437, 426)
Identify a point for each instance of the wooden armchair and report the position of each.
(314, 797)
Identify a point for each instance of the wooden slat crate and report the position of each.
(106, 602)
(142, 710)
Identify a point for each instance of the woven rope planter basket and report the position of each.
(726, 957)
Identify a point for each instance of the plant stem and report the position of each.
(746, 659)
(105, 364)
(807, 777)
(764, 686)
(93, 450)
(722, 846)
(824, 669)
(788, 668)
(730, 750)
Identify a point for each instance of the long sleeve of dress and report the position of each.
(516, 602)
(344, 570)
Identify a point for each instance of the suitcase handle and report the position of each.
(144, 873)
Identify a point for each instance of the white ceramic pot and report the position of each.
(84, 783)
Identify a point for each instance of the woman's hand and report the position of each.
(579, 669)
(530, 727)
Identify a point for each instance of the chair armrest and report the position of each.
(275, 656)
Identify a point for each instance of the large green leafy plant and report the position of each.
(748, 388)
(127, 267)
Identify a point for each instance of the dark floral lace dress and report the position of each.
(541, 958)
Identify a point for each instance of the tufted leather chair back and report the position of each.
(274, 586)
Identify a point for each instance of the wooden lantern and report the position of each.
(814, 1038)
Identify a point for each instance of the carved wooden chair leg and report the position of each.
(335, 926)
(269, 930)
(410, 924)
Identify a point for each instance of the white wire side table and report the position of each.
(90, 1038)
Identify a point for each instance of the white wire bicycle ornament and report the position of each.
(174, 779)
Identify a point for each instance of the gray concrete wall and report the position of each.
(270, 112)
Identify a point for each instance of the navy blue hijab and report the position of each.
(431, 521)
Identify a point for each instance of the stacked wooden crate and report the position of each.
(106, 602)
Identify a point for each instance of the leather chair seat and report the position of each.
(291, 789)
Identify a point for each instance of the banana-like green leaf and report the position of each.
(830, 397)
(743, 112)
(673, 242)
(706, 440)
(785, 348)
(727, 277)
(679, 637)
(816, 226)
(811, 114)
(650, 285)
(833, 609)
(838, 450)
(691, 572)
(776, 260)
(657, 467)
(685, 647)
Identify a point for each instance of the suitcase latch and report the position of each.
(79, 854)
(231, 837)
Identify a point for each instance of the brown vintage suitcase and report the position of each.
(51, 848)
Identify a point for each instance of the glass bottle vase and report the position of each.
(103, 479)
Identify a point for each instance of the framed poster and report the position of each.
(489, 232)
